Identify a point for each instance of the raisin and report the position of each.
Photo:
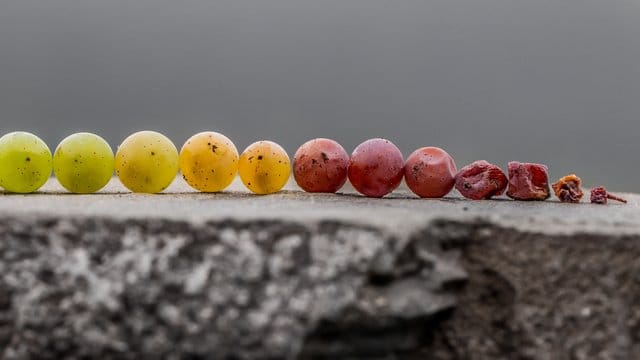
(481, 180)
(528, 181)
(600, 195)
(568, 189)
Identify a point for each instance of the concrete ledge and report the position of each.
(295, 275)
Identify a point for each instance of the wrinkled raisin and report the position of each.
(481, 180)
(528, 181)
(600, 195)
(568, 189)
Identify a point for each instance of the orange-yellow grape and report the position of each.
(147, 162)
(209, 161)
(264, 167)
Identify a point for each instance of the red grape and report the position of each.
(430, 172)
(320, 165)
(376, 167)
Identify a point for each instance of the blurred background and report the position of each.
(548, 81)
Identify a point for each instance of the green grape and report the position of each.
(83, 163)
(25, 162)
(146, 162)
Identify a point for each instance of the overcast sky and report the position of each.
(546, 81)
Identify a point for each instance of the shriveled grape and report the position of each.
(25, 162)
(83, 163)
(320, 165)
(146, 162)
(264, 167)
(209, 161)
(376, 167)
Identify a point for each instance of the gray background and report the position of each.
(546, 81)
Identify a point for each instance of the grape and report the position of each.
(25, 162)
(146, 162)
(209, 161)
(320, 165)
(430, 172)
(376, 167)
(481, 180)
(528, 181)
(83, 163)
(264, 167)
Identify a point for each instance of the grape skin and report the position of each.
(146, 162)
(320, 165)
(264, 167)
(376, 167)
(25, 162)
(83, 163)
(208, 161)
(430, 172)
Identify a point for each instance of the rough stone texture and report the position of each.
(315, 277)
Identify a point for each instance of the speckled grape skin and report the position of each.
(430, 172)
(83, 163)
(25, 162)
(376, 168)
(264, 167)
(209, 161)
(147, 162)
(320, 165)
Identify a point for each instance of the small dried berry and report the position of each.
(528, 181)
(430, 172)
(600, 195)
(481, 180)
(568, 189)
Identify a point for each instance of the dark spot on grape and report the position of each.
(324, 156)
(214, 148)
(28, 159)
(259, 157)
(153, 153)
(314, 161)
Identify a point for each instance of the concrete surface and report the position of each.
(296, 275)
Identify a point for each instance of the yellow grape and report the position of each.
(83, 163)
(264, 167)
(25, 162)
(146, 162)
(208, 161)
